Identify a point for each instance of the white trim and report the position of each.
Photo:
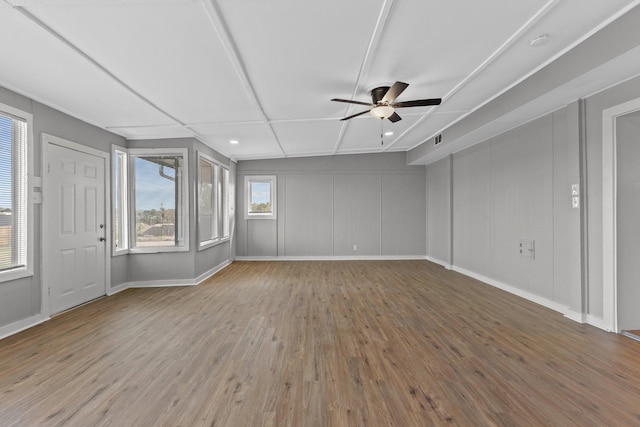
(28, 271)
(48, 140)
(174, 282)
(575, 316)
(609, 228)
(207, 274)
(334, 258)
(439, 262)
(124, 211)
(519, 292)
(185, 207)
(118, 288)
(218, 201)
(21, 325)
(598, 322)
(272, 179)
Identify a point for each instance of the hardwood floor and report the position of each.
(362, 343)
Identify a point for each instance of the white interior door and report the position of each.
(76, 227)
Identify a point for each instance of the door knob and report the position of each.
(103, 239)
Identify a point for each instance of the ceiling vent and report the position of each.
(437, 140)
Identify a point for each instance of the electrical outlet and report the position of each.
(355, 247)
(528, 248)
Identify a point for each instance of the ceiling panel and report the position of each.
(305, 138)
(562, 28)
(300, 54)
(255, 140)
(45, 69)
(363, 134)
(433, 45)
(168, 51)
(263, 72)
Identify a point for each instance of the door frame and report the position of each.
(609, 211)
(47, 141)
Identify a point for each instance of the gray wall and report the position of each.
(514, 186)
(21, 299)
(517, 186)
(179, 265)
(595, 105)
(439, 211)
(325, 205)
(628, 213)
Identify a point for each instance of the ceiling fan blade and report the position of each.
(355, 115)
(394, 117)
(393, 92)
(352, 102)
(417, 103)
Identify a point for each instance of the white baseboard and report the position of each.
(439, 262)
(575, 316)
(204, 276)
(598, 322)
(177, 282)
(523, 294)
(118, 288)
(334, 258)
(21, 325)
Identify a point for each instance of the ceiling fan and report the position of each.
(383, 106)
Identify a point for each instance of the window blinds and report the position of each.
(13, 192)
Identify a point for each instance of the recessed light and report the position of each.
(539, 41)
(389, 133)
(234, 141)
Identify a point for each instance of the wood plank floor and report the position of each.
(362, 343)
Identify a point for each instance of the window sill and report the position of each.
(8, 276)
(212, 243)
(158, 249)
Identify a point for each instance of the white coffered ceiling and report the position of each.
(263, 71)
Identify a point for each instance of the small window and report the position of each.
(120, 201)
(15, 222)
(160, 200)
(261, 197)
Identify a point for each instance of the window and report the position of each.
(150, 200)
(261, 196)
(120, 201)
(15, 216)
(224, 201)
(213, 202)
(159, 200)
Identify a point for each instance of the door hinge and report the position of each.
(48, 167)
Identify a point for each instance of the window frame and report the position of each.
(184, 206)
(123, 192)
(272, 179)
(220, 192)
(26, 168)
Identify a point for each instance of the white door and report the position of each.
(76, 225)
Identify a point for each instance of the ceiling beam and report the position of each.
(543, 11)
(222, 30)
(24, 12)
(374, 42)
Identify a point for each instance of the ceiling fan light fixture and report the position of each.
(382, 111)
